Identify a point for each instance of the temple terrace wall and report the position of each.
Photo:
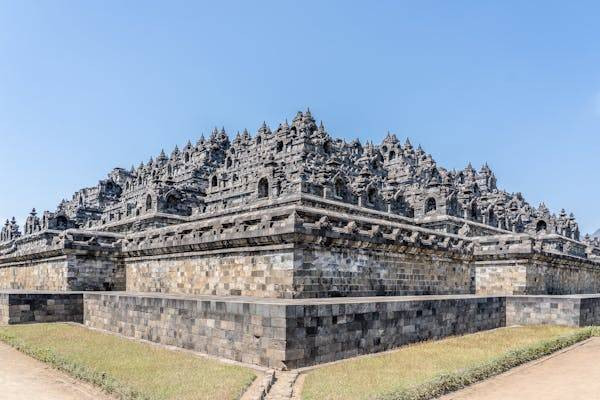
(293, 333)
(328, 271)
(298, 250)
(18, 307)
(281, 333)
(48, 274)
(260, 272)
(296, 271)
(536, 273)
(571, 310)
(307, 270)
(290, 333)
(64, 272)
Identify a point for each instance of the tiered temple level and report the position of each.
(244, 248)
(218, 174)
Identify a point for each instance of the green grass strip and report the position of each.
(129, 369)
(98, 378)
(451, 382)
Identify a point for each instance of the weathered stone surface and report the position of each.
(69, 260)
(26, 307)
(571, 310)
(535, 273)
(318, 333)
(244, 272)
(341, 272)
(48, 274)
(245, 330)
(299, 272)
(70, 272)
(290, 333)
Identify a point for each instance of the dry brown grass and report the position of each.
(126, 368)
(392, 373)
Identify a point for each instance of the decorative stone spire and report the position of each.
(420, 152)
(11, 230)
(246, 136)
(469, 170)
(390, 139)
(305, 153)
(214, 134)
(162, 157)
(238, 138)
(285, 128)
(485, 169)
(308, 120)
(298, 118)
(32, 224)
(264, 129)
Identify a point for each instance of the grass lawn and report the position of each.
(420, 370)
(126, 368)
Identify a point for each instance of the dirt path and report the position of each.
(573, 374)
(23, 378)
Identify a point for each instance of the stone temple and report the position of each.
(288, 248)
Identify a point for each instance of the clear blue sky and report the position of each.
(86, 86)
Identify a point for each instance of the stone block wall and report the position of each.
(318, 333)
(501, 277)
(67, 272)
(246, 331)
(536, 274)
(589, 311)
(341, 272)
(290, 333)
(572, 310)
(541, 310)
(294, 333)
(299, 272)
(88, 272)
(20, 308)
(4, 309)
(562, 275)
(241, 272)
(49, 274)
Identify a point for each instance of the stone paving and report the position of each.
(283, 387)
